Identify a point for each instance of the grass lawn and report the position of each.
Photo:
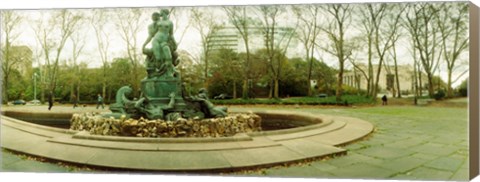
(331, 100)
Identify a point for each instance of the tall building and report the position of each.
(229, 37)
(24, 56)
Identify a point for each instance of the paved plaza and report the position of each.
(428, 143)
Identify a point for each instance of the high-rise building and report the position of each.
(229, 37)
(23, 56)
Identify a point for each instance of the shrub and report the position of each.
(346, 100)
(439, 95)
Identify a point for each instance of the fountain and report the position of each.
(168, 130)
(164, 108)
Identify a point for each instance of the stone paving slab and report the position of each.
(31, 166)
(403, 165)
(426, 173)
(253, 157)
(352, 158)
(405, 144)
(324, 166)
(311, 149)
(303, 171)
(385, 152)
(363, 171)
(445, 163)
(435, 149)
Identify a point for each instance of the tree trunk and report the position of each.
(72, 92)
(270, 92)
(5, 92)
(449, 85)
(338, 94)
(42, 93)
(245, 89)
(205, 84)
(377, 79)
(246, 71)
(310, 77)
(370, 68)
(430, 85)
(104, 89)
(420, 86)
(234, 89)
(5, 89)
(275, 94)
(399, 94)
(78, 93)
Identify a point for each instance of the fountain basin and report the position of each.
(245, 150)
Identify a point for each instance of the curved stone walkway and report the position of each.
(409, 143)
(187, 154)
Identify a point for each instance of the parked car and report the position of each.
(222, 97)
(19, 102)
(34, 102)
(322, 95)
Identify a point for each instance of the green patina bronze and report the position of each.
(163, 95)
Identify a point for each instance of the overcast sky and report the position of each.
(190, 41)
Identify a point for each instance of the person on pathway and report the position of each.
(50, 100)
(99, 101)
(75, 101)
(384, 100)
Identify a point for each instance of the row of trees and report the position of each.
(436, 35)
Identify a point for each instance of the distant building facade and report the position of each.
(387, 81)
(229, 37)
(24, 56)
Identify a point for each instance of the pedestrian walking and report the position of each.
(384, 100)
(99, 101)
(50, 101)
(75, 101)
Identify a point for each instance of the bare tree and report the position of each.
(10, 24)
(129, 22)
(308, 32)
(277, 41)
(394, 20)
(99, 21)
(52, 37)
(370, 17)
(204, 21)
(424, 31)
(176, 17)
(382, 24)
(78, 43)
(336, 29)
(452, 21)
(238, 17)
